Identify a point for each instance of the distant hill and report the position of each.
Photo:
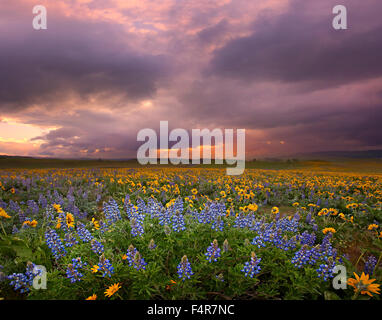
(283, 162)
(333, 155)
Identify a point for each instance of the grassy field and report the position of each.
(171, 232)
(371, 166)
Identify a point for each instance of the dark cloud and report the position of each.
(89, 133)
(211, 33)
(99, 75)
(74, 59)
(298, 46)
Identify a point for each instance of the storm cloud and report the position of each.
(103, 70)
(299, 47)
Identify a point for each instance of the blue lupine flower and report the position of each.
(314, 254)
(97, 247)
(55, 244)
(49, 215)
(23, 281)
(213, 252)
(252, 267)
(70, 240)
(219, 277)
(105, 266)
(13, 206)
(20, 282)
(42, 201)
(218, 224)
(112, 212)
(164, 217)
(325, 270)
(83, 233)
(225, 245)
(138, 262)
(136, 227)
(141, 209)
(178, 222)
(282, 242)
(152, 244)
(73, 270)
(131, 251)
(14, 229)
(33, 207)
(135, 259)
(3, 204)
(370, 265)
(301, 257)
(184, 269)
(307, 238)
(308, 218)
(22, 216)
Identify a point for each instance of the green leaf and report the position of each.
(329, 295)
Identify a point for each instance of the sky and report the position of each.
(105, 69)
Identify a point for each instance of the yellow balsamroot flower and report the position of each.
(295, 204)
(253, 207)
(326, 230)
(94, 269)
(12, 190)
(70, 220)
(363, 284)
(58, 225)
(275, 210)
(92, 297)
(352, 206)
(95, 224)
(4, 214)
(57, 207)
(112, 289)
(169, 286)
(194, 191)
(32, 223)
(372, 226)
(323, 212)
(333, 212)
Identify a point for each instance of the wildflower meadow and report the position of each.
(189, 233)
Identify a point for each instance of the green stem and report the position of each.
(339, 228)
(2, 227)
(355, 295)
(359, 259)
(379, 260)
